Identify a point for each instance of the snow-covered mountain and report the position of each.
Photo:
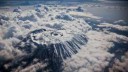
(73, 37)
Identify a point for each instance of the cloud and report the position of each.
(24, 44)
(120, 65)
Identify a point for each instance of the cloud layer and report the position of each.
(22, 40)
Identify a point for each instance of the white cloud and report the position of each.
(120, 65)
(93, 56)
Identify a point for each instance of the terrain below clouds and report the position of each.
(72, 37)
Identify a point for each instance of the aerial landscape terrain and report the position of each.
(64, 36)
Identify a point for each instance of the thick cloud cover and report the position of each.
(27, 44)
(120, 65)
